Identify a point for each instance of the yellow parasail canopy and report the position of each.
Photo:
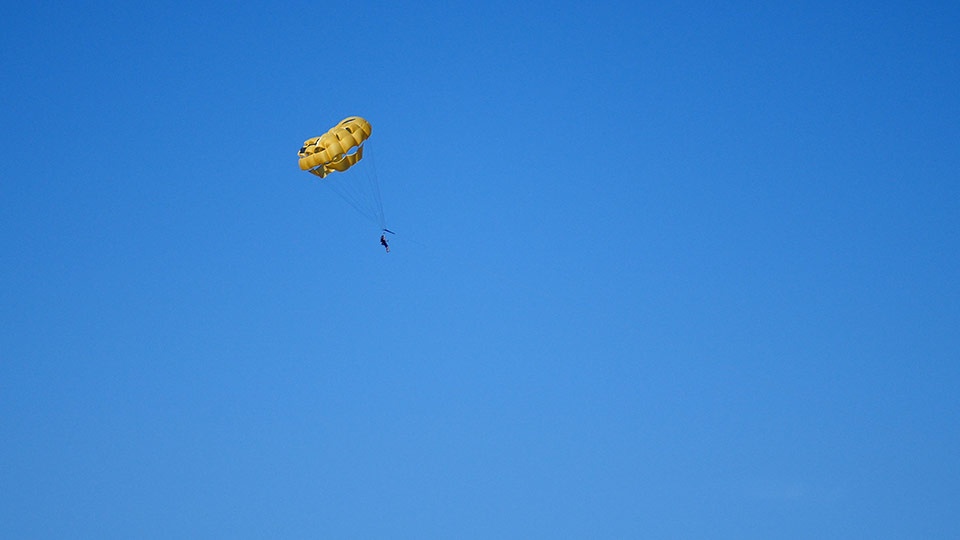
(336, 150)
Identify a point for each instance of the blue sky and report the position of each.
(662, 270)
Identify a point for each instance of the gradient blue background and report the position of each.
(662, 270)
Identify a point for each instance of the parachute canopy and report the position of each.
(336, 150)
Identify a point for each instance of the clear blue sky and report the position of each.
(662, 270)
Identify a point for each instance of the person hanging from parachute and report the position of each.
(338, 150)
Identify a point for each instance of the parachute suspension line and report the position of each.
(379, 199)
(354, 190)
(348, 197)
